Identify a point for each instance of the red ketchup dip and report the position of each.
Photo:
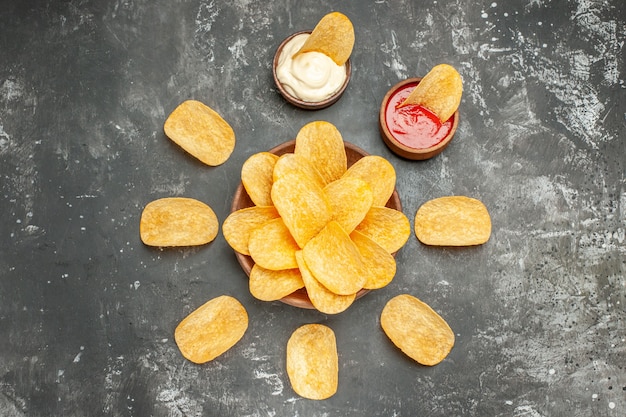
(413, 125)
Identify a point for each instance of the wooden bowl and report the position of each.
(241, 200)
(402, 149)
(307, 105)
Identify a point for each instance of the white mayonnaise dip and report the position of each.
(311, 76)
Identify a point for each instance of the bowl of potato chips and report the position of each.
(312, 69)
(316, 221)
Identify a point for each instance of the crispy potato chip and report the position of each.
(268, 285)
(212, 329)
(334, 260)
(350, 199)
(201, 132)
(312, 362)
(290, 162)
(378, 173)
(322, 144)
(321, 297)
(379, 264)
(333, 36)
(257, 176)
(177, 221)
(439, 91)
(239, 224)
(302, 205)
(453, 221)
(388, 227)
(272, 246)
(417, 329)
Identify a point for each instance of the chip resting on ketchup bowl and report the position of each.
(418, 117)
(312, 68)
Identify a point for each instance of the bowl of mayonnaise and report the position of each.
(310, 80)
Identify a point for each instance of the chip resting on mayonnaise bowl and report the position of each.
(312, 68)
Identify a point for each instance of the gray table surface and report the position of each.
(87, 312)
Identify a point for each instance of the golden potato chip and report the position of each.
(239, 224)
(333, 36)
(322, 144)
(350, 199)
(439, 91)
(201, 131)
(379, 264)
(268, 285)
(177, 221)
(378, 173)
(388, 227)
(212, 329)
(257, 176)
(290, 162)
(417, 329)
(272, 246)
(334, 260)
(453, 221)
(302, 205)
(321, 297)
(312, 362)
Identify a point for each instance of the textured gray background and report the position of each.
(87, 312)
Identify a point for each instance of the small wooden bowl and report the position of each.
(307, 105)
(398, 147)
(241, 200)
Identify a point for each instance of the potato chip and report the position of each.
(417, 329)
(268, 285)
(378, 173)
(290, 162)
(239, 224)
(312, 362)
(212, 329)
(257, 177)
(453, 221)
(272, 246)
(350, 199)
(379, 264)
(201, 132)
(388, 227)
(333, 36)
(439, 91)
(334, 260)
(321, 297)
(302, 205)
(177, 221)
(322, 144)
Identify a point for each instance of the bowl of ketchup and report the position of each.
(412, 131)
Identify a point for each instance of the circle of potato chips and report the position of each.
(211, 329)
(312, 362)
(177, 221)
(417, 329)
(307, 201)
